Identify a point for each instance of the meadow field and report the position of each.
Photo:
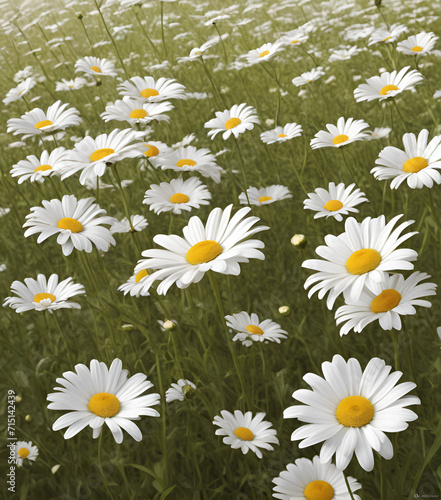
(220, 242)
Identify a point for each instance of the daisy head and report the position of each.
(135, 285)
(250, 329)
(100, 395)
(179, 391)
(137, 223)
(294, 37)
(35, 169)
(281, 134)
(313, 480)
(232, 121)
(25, 451)
(335, 201)
(134, 111)
(350, 410)
(68, 85)
(345, 132)
(265, 196)
(95, 66)
(242, 430)
(264, 53)
(19, 91)
(150, 90)
(387, 35)
(420, 44)
(308, 77)
(378, 133)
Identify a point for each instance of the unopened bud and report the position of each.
(299, 240)
(28, 418)
(128, 327)
(18, 399)
(284, 310)
(55, 468)
(169, 325)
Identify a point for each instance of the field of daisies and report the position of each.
(220, 249)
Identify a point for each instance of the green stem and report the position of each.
(396, 351)
(242, 166)
(162, 30)
(348, 487)
(123, 196)
(100, 439)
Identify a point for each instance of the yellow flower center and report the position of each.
(185, 161)
(386, 39)
(179, 198)
(232, 122)
(264, 53)
(244, 434)
(265, 198)
(43, 123)
(96, 69)
(99, 154)
(333, 205)
(388, 88)
(151, 151)
(138, 113)
(142, 274)
(73, 225)
(23, 452)
(318, 490)
(281, 135)
(340, 138)
(362, 261)
(42, 168)
(355, 411)
(415, 164)
(104, 404)
(41, 296)
(146, 93)
(387, 300)
(417, 48)
(254, 330)
(203, 252)
(295, 41)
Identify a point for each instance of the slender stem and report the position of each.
(100, 439)
(314, 60)
(80, 18)
(242, 166)
(298, 175)
(123, 196)
(145, 32)
(351, 173)
(382, 15)
(396, 352)
(222, 42)
(348, 487)
(162, 30)
(215, 89)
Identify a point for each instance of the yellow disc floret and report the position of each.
(415, 164)
(203, 252)
(417, 48)
(104, 404)
(385, 301)
(23, 452)
(73, 225)
(388, 88)
(254, 330)
(142, 274)
(185, 162)
(362, 261)
(318, 490)
(339, 139)
(265, 198)
(281, 135)
(42, 168)
(333, 205)
(244, 434)
(151, 151)
(138, 113)
(232, 122)
(38, 297)
(355, 411)
(264, 53)
(179, 198)
(99, 154)
(43, 123)
(146, 93)
(96, 69)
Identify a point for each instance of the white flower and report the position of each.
(233, 121)
(263, 53)
(19, 91)
(281, 134)
(250, 329)
(25, 451)
(135, 111)
(36, 169)
(177, 392)
(137, 223)
(150, 90)
(68, 85)
(136, 284)
(308, 77)
(383, 35)
(420, 44)
(378, 133)
(95, 66)
(344, 133)
(265, 196)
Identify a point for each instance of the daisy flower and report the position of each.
(313, 480)
(344, 133)
(177, 392)
(95, 66)
(137, 223)
(246, 432)
(134, 111)
(37, 122)
(76, 223)
(281, 134)
(423, 43)
(68, 85)
(351, 410)
(25, 450)
(135, 285)
(44, 294)
(219, 246)
(154, 151)
(394, 297)
(92, 156)
(361, 256)
(232, 121)
(263, 53)
(378, 133)
(343, 54)
(294, 37)
(308, 77)
(250, 329)
(177, 195)
(335, 201)
(150, 90)
(383, 35)
(102, 395)
(36, 169)
(190, 159)
(19, 91)
(265, 196)
(418, 164)
(387, 85)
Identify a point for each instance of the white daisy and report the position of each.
(76, 223)
(378, 133)
(135, 285)
(383, 35)
(335, 201)
(36, 169)
(351, 410)
(154, 151)
(294, 37)
(281, 134)
(44, 294)
(344, 133)
(308, 76)
(361, 256)
(177, 195)
(95, 66)
(420, 44)
(418, 164)
(344, 54)
(19, 91)
(137, 223)
(388, 85)
(232, 121)
(219, 246)
(25, 450)
(250, 329)
(190, 159)
(264, 53)
(150, 90)
(395, 296)
(102, 395)
(68, 85)
(92, 156)
(37, 122)
(265, 196)
(135, 111)
(313, 480)
(177, 392)
(246, 432)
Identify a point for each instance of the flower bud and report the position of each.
(55, 468)
(299, 240)
(169, 325)
(28, 418)
(284, 310)
(18, 399)
(128, 327)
